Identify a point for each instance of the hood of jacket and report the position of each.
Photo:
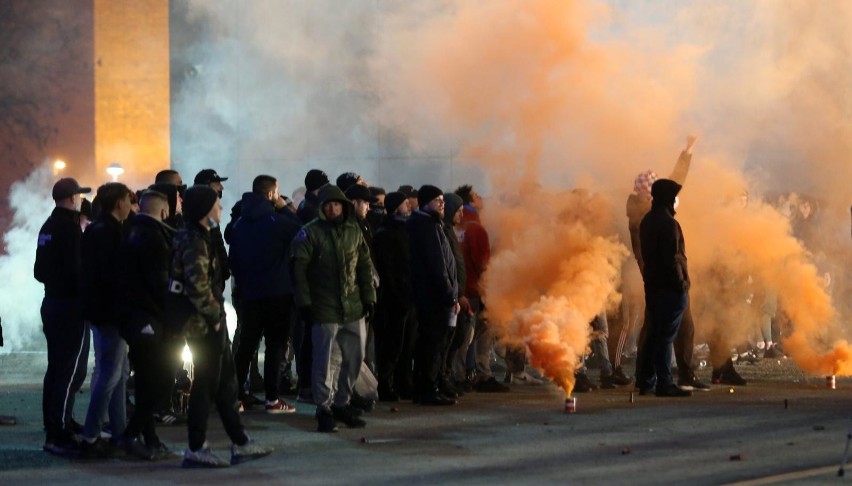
(664, 192)
(255, 206)
(331, 192)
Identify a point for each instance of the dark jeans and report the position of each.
(303, 344)
(684, 344)
(391, 323)
(664, 312)
(430, 347)
(215, 380)
(153, 379)
(403, 380)
(270, 318)
(68, 338)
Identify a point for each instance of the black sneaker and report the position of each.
(136, 448)
(583, 384)
(692, 383)
(345, 415)
(99, 449)
(362, 403)
(491, 385)
(672, 391)
(325, 421)
(616, 379)
(62, 446)
(250, 401)
(731, 377)
(436, 399)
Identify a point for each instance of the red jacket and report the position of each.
(476, 250)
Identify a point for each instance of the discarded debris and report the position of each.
(819, 427)
(394, 409)
(736, 457)
(625, 451)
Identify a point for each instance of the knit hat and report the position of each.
(393, 200)
(198, 201)
(347, 180)
(357, 191)
(643, 182)
(426, 193)
(452, 203)
(315, 179)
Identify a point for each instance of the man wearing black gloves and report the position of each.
(666, 289)
(335, 293)
(435, 289)
(58, 266)
(196, 274)
(260, 257)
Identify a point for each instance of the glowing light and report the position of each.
(115, 170)
(186, 355)
(58, 166)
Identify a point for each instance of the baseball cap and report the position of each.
(207, 176)
(67, 187)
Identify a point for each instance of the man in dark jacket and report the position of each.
(196, 274)
(461, 336)
(666, 289)
(144, 260)
(100, 246)
(394, 311)
(334, 291)
(58, 266)
(308, 210)
(260, 256)
(435, 289)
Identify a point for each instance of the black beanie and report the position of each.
(198, 201)
(452, 203)
(393, 200)
(427, 193)
(315, 179)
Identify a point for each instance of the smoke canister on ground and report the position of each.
(571, 405)
(830, 382)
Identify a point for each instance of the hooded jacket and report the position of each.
(332, 271)
(260, 249)
(392, 252)
(453, 203)
(434, 278)
(662, 245)
(638, 205)
(309, 208)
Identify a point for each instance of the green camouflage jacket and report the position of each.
(332, 268)
(195, 264)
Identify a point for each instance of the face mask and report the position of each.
(212, 222)
(677, 202)
(404, 216)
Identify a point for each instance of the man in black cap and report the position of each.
(209, 177)
(394, 313)
(58, 266)
(434, 282)
(196, 270)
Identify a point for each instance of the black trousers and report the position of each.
(304, 354)
(68, 340)
(268, 318)
(684, 344)
(153, 377)
(404, 375)
(390, 332)
(430, 348)
(215, 381)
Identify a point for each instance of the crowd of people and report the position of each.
(362, 294)
(351, 285)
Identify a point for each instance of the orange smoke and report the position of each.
(552, 271)
(545, 94)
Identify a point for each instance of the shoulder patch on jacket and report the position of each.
(302, 235)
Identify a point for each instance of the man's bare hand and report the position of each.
(690, 142)
(464, 305)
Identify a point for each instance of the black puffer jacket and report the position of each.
(260, 249)
(661, 237)
(434, 280)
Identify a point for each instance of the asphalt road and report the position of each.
(523, 437)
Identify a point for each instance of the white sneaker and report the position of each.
(203, 457)
(249, 451)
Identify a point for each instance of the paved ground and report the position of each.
(522, 437)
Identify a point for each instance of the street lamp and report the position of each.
(115, 169)
(58, 166)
